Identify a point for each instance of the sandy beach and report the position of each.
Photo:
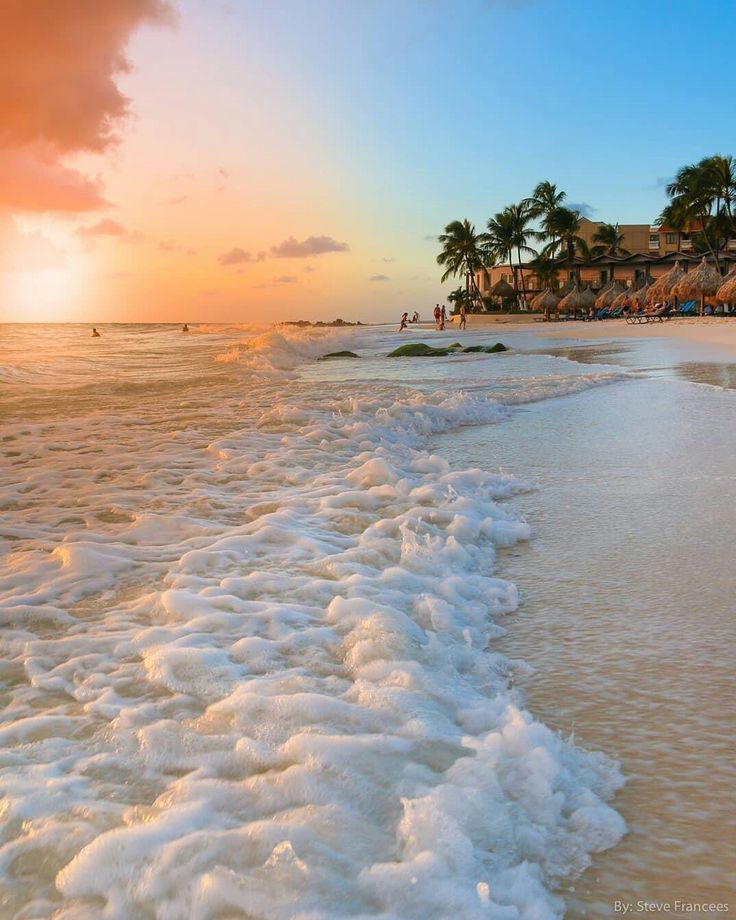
(707, 330)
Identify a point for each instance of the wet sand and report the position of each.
(627, 611)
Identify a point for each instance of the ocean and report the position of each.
(291, 638)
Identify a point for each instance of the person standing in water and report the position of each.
(443, 314)
(463, 316)
(437, 315)
(185, 328)
(95, 333)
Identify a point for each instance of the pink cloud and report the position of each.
(292, 248)
(238, 256)
(104, 227)
(26, 252)
(58, 95)
(33, 179)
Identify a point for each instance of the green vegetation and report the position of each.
(702, 209)
(463, 254)
(704, 195)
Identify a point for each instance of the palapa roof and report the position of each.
(575, 300)
(639, 297)
(589, 296)
(502, 289)
(608, 294)
(727, 291)
(568, 286)
(545, 300)
(663, 286)
(621, 300)
(704, 280)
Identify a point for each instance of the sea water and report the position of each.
(252, 616)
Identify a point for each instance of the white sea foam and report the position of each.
(247, 670)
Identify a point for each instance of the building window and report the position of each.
(653, 238)
(671, 238)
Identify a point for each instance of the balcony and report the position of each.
(685, 245)
(654, 245)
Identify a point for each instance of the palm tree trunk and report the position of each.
(521, 275)
(708, 242)
(478, 299)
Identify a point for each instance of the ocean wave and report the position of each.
(255, 673)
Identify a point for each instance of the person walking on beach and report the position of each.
(437, 315)
(463, 316)
(404, 319)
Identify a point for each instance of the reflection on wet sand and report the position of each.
(654, 358)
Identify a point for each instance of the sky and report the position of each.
(263, 160)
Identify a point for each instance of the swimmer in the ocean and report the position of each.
(95, 333)
(185, 328)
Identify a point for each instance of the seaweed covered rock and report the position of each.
(422, 350)
(418, 350)
(339, 354)
(484, 349)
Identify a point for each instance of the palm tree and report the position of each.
(608, 242)
(499, 239)
(544, 201)
(462, 254)
(521, 218)
(564, 230)
(545, 271)
(509, 231)
(677, 216)
(706, 191)
(460, 296)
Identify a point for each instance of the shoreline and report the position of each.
(713, 331)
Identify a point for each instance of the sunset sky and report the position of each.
(256, 160)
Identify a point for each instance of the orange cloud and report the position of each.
(58, 96)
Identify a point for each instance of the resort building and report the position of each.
(653, 250)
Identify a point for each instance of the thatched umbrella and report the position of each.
(621, 300)
(661, 289)
(567, 287)
(638, 298)
(590, 297)
(502, 289)
(727, 291)
(609, 293)
(546, 300)
(575, 300)
(703, 282)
